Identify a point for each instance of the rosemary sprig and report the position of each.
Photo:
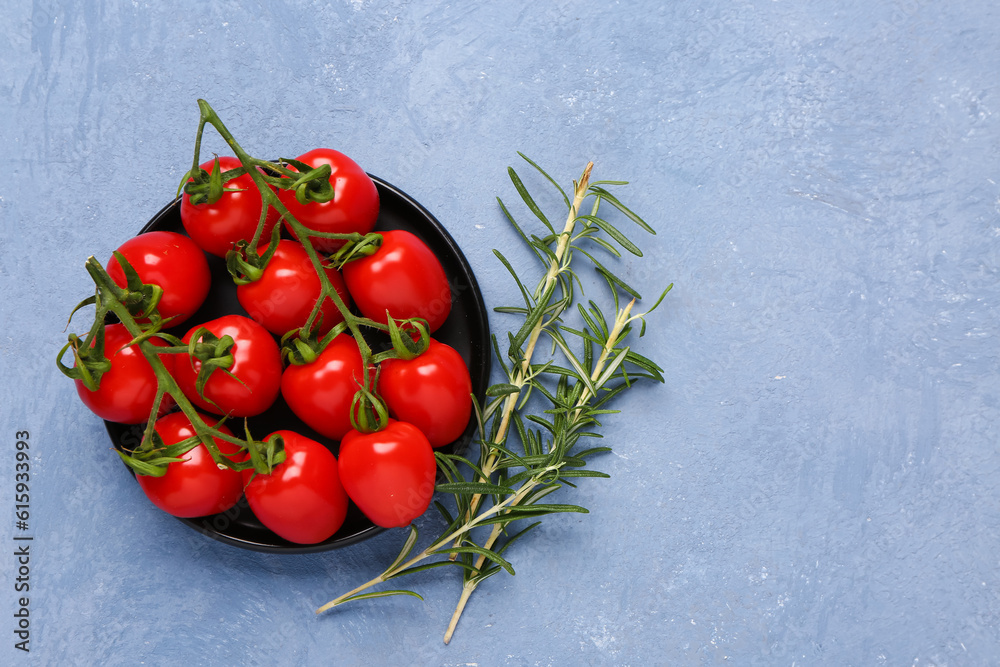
(526, 454)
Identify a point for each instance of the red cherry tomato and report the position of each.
(302, 500)
(320, 392)
(388, 474)
(172, 261)
(195, 486)
(252, 383)
(282, 298)
(354, 207)
(216, 227)
(127, 391)
(433, 392)
(404, 277)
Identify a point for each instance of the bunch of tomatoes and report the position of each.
(306, 302)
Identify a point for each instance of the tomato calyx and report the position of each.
(312, 184)
(300, 346)
(153, 456)
(243, 262)
(207, 188)
(368, 412)
(353, 249)
(89, 361)
(213, 353)
(141, 299)
(264, 454)
(410, 338)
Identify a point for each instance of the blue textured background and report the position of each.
(816, 483)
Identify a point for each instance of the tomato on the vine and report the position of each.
(302, 500)
(172, 261)
(355, 203)
(404, 277)
(250, 385)
(389, 474)
(126, 391)
(432, 391)
(284, 295)
(195, 486)
(320, 392)
(235, 216)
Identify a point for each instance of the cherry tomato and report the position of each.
(282, 298)
(196, 486)
(432, 391)
(389, 474)
(320, 392)
(404, 277)
(127, 391)
(216, 227)
(354, 207)
(172, 261)
(252, 383)
(302, 500)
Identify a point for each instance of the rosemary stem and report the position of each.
(523, 372)
(556, 265)
(467, 588)
(621, 319)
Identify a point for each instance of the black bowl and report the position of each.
(466, 329)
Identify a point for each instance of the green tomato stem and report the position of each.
(165, 381)
(301, 232)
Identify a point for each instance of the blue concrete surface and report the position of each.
(817, 483)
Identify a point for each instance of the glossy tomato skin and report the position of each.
(172, 261)
(302, 500)
(216, 227)
(127, 391)
(256, 367)
(432, 391)
(282, 298)
(404, 277)
(320, 392)
(355, 204)
(195, 486)
(388, 474)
